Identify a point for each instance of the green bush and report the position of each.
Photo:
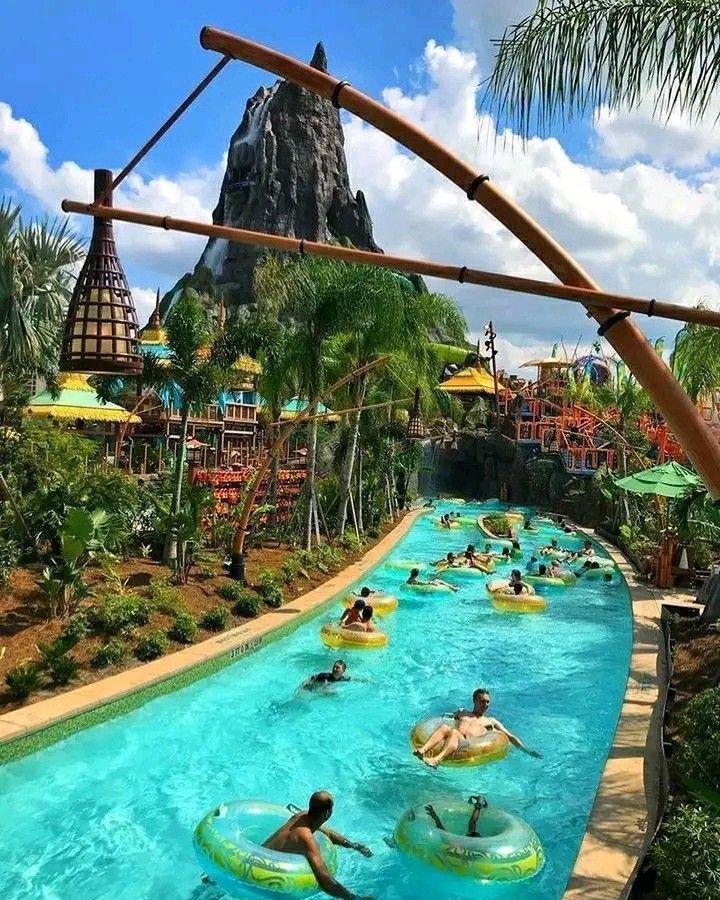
(62, 669)
(352, 543)
(271, 588)
(110, 654)
(498, 524)
(247, 604)
(183, 629)
(56, 649)
(9, 559)
(151, 645)
(118, 613)
(231, 590)
(698, 755)
(165, 597)
(687, 856)
(216, 619)
(22, 680)
(76, 627)
(291, 568)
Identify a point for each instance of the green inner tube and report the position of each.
(428, 588)
(405, 565)
(506, 848)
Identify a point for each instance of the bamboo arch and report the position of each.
(622, 333)
(627, 339)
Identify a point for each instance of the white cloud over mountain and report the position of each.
(643, 227)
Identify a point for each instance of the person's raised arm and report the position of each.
(327, 883)
(341, 841)
(515, 741)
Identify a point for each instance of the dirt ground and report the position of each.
(24, 623)
(696, 660)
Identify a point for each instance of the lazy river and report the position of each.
(109, 812)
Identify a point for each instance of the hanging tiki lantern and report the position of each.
(416, 429)
(101, 330)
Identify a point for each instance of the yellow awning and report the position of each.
(472, 380)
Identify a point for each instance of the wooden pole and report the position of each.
(623, 334)
(463, 274)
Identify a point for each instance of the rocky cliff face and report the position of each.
(286, 174)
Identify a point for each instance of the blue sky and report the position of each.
(84, 85)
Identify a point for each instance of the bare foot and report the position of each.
(418, 753)
(430, 762)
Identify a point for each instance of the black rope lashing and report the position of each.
(613, 320)
(461, 274)
(335, 98)
(302, 247)
(651, 307)
(165, 223)
(475, 184)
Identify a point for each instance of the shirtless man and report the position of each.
(468, 723)
(353, 613)
(297, 836)
(365, 623)
(448, 562)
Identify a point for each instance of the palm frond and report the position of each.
(571, 56)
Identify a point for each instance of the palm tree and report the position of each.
(389, 318)
(309, 293)
(570, 56)
(696, 360)
(36, 263)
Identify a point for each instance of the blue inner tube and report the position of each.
(228, 845)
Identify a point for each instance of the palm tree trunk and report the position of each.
(361, 525)
(171, 542)
(358, 397)
(312, 453)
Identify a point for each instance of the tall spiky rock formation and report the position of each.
(286, 174)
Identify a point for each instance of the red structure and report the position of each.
(544, 418)
(228, 488)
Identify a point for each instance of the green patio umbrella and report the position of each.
(668, 480)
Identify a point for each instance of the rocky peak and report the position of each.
(286, 174)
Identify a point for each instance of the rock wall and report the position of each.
(482, 465)
(286, 174)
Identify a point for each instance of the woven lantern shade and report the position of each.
(416, 429)
(101, 330)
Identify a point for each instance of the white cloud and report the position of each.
(478, 22)
(189, 195)
(637, 228)
(676, 140)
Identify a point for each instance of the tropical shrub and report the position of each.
(62, 669)
(216, 619)
(232, 591)
(687, 856)
(22, 680)
(270, 586)
(151, 645)
(498, 524)
(351, 542)
(291, 568)
(76, 627)
(698, 755)
(119, 612)
(165, 597)
(183, 629)
(110, 654)
(247, 604)
(9, 558)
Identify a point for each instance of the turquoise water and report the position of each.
(109, 812)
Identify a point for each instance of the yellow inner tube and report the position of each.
(452, 524)
(338, 637)
(382, 604)
(503, 587)
(521, 603)
(474, 751)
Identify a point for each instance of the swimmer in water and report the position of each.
(414, 579)
(297, 836)
(352, 615)
(334, 676)
(467, 723)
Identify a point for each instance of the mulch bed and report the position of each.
(24, 623)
